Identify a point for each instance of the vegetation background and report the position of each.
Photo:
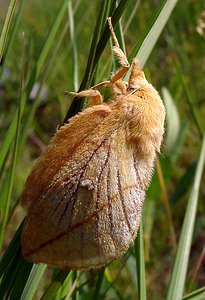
(47, 47)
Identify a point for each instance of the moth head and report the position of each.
(137, 78)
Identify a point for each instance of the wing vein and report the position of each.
(122, 200)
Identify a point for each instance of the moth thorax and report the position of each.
(145, 136)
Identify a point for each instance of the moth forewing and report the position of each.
(84, 195)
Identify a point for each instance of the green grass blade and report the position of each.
(178, 277)
(90, 63)
(147, 31)
(34, 77)
(146, 43)
(140, 265)
(6, 26)
(7, 141)
(74, 47)
(76, 106)
(56, 283)
(93, 59)
(184, 183)
(72, 293)
(149, 216)
(115, 15)
(189, 100)
(11, 252)
(96, 294)
(155, 32)
(9, 277)
(172, 119)
(33, 281)
(15, 151)
(15, 27)
(4, 191)
(47, 46)
(14, 270)
(22, 269)
(179, 141)
(196, 295)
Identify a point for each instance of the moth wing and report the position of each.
(61, 147)
(91, 211)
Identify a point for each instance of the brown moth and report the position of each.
(84, 195)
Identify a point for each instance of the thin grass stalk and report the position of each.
(76, 106)
(14, 28)
(176, 286)
(140, 264)
(33, 281)
(165, 199)
(199, 263)
(190, 101)
(89, 67)
(131, 16)
(74, 47)
(115, 16)
(96, 294)
(196, 295)
(73, 290)
(11, 252)
(16, 144)
(148, 43)
(33, 78)
(9, 276)
(23, 270)
(56, 283)
(6, 27)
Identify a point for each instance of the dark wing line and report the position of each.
(122, 200)
(59, 176)
(67, 231)
(109, 202)
(71, 190)
(97, 205)
(137, 175)
(82, 173)
(97, 200)
(74, 191)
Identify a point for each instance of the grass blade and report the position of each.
(6, 27)
(15, 151)
(176, 286)
(165, 199)
(11, 252)
(56, 284)
(33, 281)
(96, 294)
(155, 31)
(22, 269)
(93, 58)
(140, 265)
(196, 295)
(173, 121)
(34, 76)
(74, 46)
(189, 100)
(76, 106)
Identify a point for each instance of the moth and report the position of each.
(85, 194)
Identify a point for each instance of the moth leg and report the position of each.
(120, 55)
(115, 81)
(94, 95)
